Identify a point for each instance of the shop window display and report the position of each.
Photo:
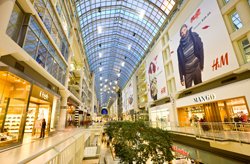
(233, 110)
(35, 114)
(160, 118)
(14, 93)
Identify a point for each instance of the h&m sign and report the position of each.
(204, 98)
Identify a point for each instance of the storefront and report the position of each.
(23, 106)
(71, 108)
(159, 116)
(223, 104)
(40, 107)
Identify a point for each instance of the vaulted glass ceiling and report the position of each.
(116, 35)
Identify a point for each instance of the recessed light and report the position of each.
(142, 13)
(129, 47)
(99, 29)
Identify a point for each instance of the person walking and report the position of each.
(43, 127)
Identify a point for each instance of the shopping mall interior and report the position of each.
(69, 68)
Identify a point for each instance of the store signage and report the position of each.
(44, 95)
(179, 150)
(205, 98)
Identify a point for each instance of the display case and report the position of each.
(12, 123)
(29, 123)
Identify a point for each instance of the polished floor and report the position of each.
(33, 146)
(105, 157)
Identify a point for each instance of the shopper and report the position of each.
(43, 127)
(243, 117)
(37, 128)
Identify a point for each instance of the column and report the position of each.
(68, 70)
(6, 8)
(80, 84)
(92, 94)
(54, 2)
(63, 109)
(248, 36)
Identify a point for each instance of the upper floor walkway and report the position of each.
(219, 131)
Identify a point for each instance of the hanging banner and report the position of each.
(156, 78)
(202, 49)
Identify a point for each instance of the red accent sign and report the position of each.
(179, 150)
(205, 27)
(196, 15)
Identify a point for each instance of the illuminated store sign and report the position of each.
(204, 98)
(44, 95)
(180, 151)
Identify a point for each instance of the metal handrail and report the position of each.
(223, 131)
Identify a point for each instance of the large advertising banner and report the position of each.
(130, 96)
(156, 79)
(201, 50)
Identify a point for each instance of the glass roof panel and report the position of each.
(116, 32)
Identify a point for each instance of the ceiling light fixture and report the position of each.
(99, 29)
(129, 47)
(142, 13)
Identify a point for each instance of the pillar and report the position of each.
(68, 70)
(248, 36)
(63, 109)
(80, 84)
(92, 103)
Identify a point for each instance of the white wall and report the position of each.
(237, 89)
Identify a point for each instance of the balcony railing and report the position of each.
(66, 147)
(222, 131)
